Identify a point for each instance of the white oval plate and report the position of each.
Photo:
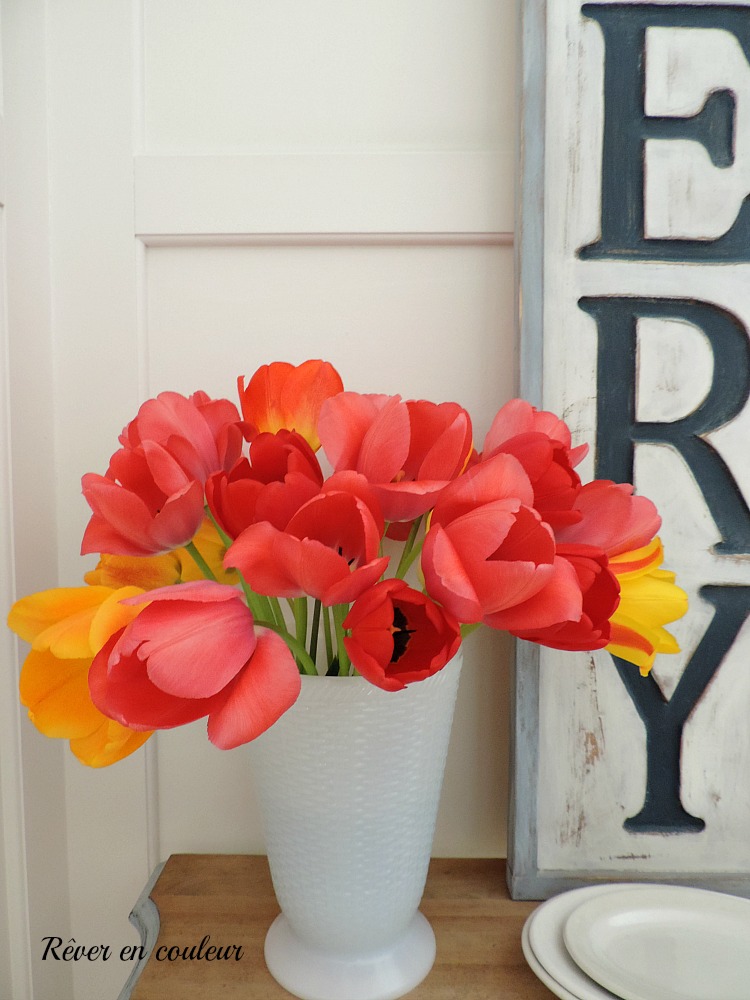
(545, 940)
(540, 972)
(664, 943)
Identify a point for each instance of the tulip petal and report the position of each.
(281, 565)
(613, 519)
(260, 694)
(282, 396)
(350, 586)
(170, 470)
(519, 417)
(123, 692)
(446, 577)
(145, 572)
(121, 522)
(174, 641)
(111, 616)
(558, 600)
(179, 519)
(109, 743)
(369, 661)
(171, 414)
(56, 694)
(33, 615)
(501, 477)
(385, 446)
(343, 424)
(440, 438)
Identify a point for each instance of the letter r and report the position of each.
(618, 429)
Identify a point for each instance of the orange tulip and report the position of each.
(66, 627)
(281, 396)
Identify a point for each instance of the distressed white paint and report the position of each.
(675, 368)
(590, 741)
(686, 195)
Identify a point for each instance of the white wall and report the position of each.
(202, 188)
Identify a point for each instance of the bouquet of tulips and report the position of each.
(233, 559)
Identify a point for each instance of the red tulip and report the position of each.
(542, 444)
(611, 521)
(399, 635)
(601, 597)
(282, 396)
(488, 556)
(193, 652)
(282, 473)
(408, 451)
(328, 550)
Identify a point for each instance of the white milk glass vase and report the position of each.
(349, 782)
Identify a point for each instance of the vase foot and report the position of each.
(311, 974)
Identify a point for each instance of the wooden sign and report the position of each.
(634, 264)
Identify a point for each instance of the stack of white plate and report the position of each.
(634, 941)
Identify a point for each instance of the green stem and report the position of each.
(300, 618)
(254, 601)
(277, 614)
(467, 629)
(266, 610)
(314, 629)
(340, 611)
(225, 538)
(409, 554)
(304, 661)
(328, 636)
(200, 562)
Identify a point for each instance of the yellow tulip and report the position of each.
(649, 599)
(150, 572)
(66, 627)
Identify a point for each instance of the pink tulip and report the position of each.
(200, 434)
(151, 499)
(612, 518)
(192, 652)
(408, 451)
(142, 520)
(542, 444)
(488, 556)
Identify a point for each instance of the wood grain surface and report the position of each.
(230, 897)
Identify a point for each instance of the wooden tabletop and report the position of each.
(230, 898)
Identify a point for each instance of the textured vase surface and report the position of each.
(349, 782)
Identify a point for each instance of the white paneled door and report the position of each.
(213, 186)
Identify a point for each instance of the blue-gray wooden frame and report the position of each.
(525, 879)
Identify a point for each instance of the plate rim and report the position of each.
(542, 974)
(674, 897)
(573, 978)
